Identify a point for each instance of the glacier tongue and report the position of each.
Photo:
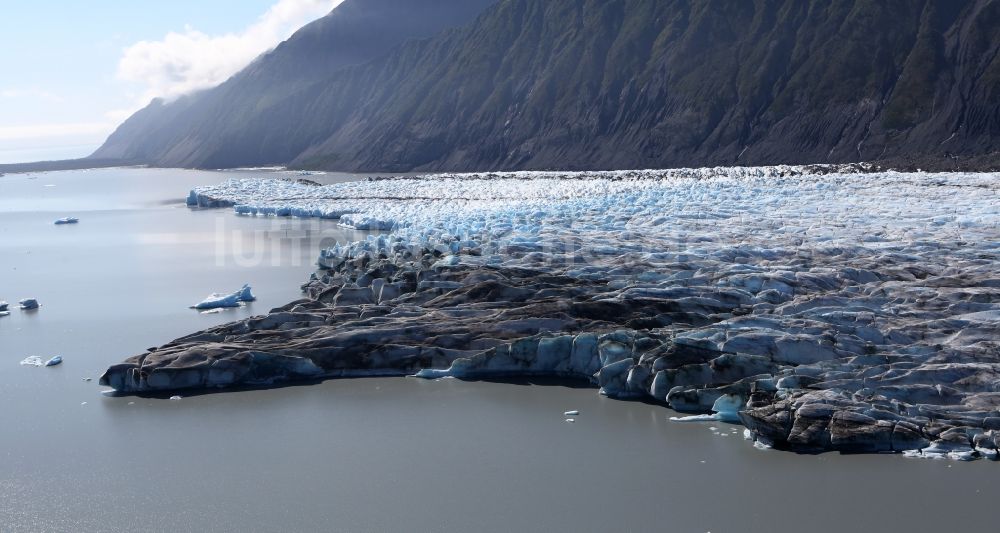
(820, 308)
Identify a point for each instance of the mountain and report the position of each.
(208, 128)
(575, 84)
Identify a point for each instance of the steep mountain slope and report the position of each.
(207, 128)
(631, 83)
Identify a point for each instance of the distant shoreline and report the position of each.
(65, 164)
(984, 164)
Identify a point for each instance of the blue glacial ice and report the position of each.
(34, 360)
(219, 301)
(860, 304)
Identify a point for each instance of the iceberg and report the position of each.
(34, 360)
(3, 305)
(696, 418)
(67, 220)
(218, 301)
(28, 303)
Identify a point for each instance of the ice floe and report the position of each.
(218, 301)
(66, 220)
(35, 360)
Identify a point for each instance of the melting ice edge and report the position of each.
(824, 308)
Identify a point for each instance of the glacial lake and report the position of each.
(379, 454)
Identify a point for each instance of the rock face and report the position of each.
(600, 84)
(839, 312)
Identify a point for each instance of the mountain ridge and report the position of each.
(601, 84)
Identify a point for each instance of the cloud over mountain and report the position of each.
(186, 61)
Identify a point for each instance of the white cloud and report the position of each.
(186, 61)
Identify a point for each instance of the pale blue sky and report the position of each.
(64, 84)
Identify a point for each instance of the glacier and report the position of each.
(821, 307)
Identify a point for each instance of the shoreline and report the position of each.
(977, 164)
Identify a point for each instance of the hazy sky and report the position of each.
(71, 70)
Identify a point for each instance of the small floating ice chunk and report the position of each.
(433, 373)
(3, 305)
(218, 301)
(212, 311)
(28, 303)
(57, 360)
(572, 413)
(33, 360)
(66, 220)
(571, 420)
(4, 313)
(695, 418)
(175, 397)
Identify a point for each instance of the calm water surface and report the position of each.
(353, 455)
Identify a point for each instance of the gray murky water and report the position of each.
(353, 455)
